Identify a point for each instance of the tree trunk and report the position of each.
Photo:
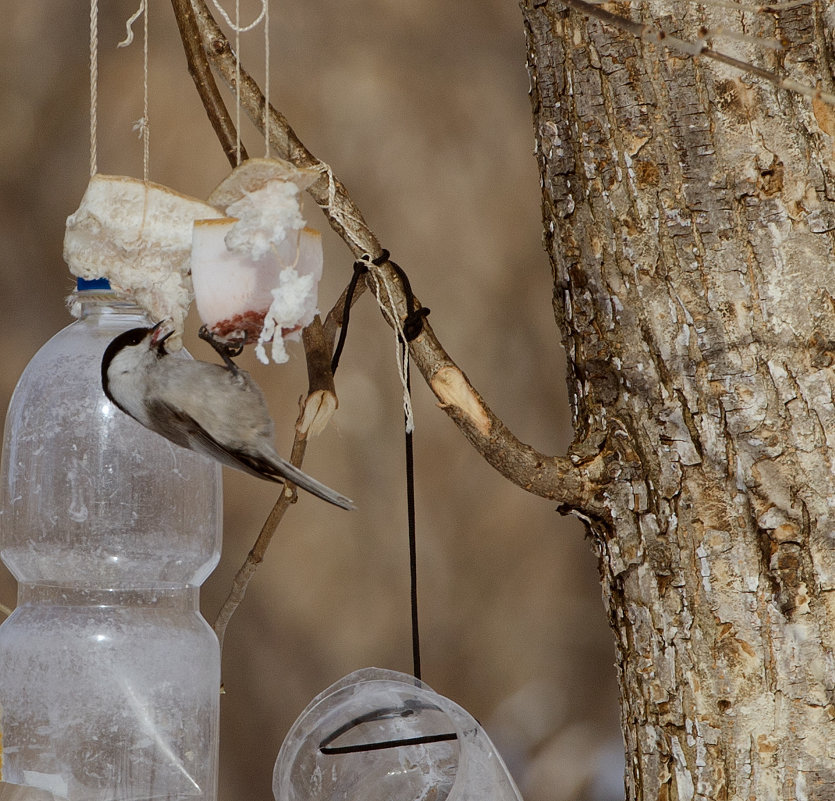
(689, 216)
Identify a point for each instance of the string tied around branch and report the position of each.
(411, 325)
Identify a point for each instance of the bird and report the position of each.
(218, 411)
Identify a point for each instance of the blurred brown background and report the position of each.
(422, 110)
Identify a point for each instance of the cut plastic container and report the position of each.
(379, 735)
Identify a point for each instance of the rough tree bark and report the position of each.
(689, 217)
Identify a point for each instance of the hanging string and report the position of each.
(406, 331)
(143, 124)
(336, 211)
(145, 129)
(266, 79)
(360, 269)
(94, 85)
(401, 355)
(237, 28)
(128, 40)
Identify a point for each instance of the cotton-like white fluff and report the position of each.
(265, 217)
(138, 236)
(294, 304)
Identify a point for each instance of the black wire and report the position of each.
(412, 326)
(410, 512)
(408, 709)
(362, 747)
(360, 268)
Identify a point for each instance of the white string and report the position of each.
(335, 211)
(94, 85)
(238, 29)
(266, 79)
(146, 118)
(401, 354)
(236, 26)
(128, 40)
(143, 125)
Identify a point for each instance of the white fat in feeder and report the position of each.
(378, 735)
(242, 299)
(137, 235)
(256, 273)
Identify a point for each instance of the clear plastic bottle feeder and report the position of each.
(378, 735)
(109, 676)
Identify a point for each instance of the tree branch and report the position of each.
(201, 73)
(321, 400)
(320, 403)
(256, 554)
(315, 411)
(552, 477)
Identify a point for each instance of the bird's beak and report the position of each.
(159, 334)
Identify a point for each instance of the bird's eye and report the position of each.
(127, 339)
(135, 335)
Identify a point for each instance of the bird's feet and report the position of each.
(225, 350)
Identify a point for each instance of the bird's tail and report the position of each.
(309, 484)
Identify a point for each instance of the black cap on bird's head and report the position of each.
(130, 339)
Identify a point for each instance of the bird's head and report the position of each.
(129, 351)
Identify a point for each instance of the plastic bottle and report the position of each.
(109, 676)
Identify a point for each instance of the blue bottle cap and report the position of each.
(97, 284)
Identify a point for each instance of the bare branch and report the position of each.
(549, 476)
(321, 402)
(256, 554)
(201, 73)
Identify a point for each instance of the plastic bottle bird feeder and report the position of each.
(379, 735)
(109, 676)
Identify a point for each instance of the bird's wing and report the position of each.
(183, 430)
(218, 401)
(237, 405)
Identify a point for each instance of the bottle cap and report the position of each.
(97, 284)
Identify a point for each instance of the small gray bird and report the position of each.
(214, 410)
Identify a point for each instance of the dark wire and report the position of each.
(406, 710)
(410, 512)
(412, 326)
(360, 268)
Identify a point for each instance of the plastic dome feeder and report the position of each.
(379, 734)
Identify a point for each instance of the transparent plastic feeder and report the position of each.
(378, 735)
(109, 676)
